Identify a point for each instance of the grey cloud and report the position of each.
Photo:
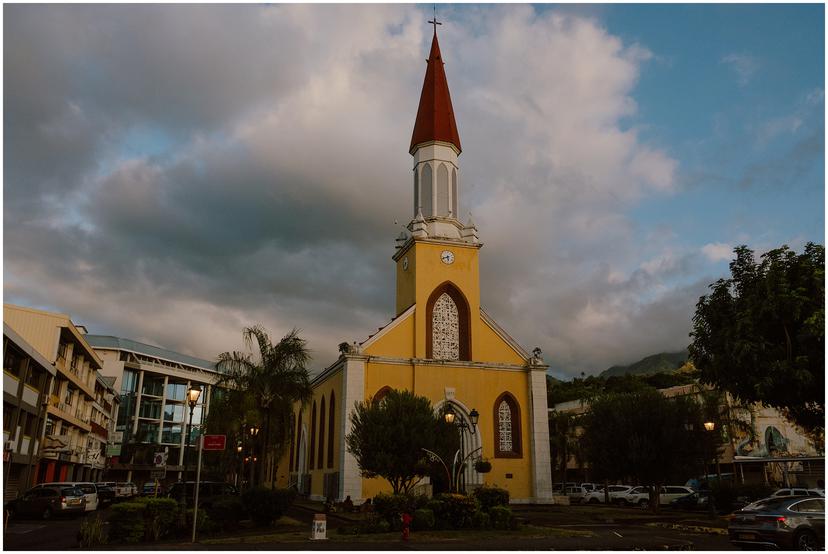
(276, 162)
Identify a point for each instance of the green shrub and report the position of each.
(382, 526)
(126, 522)
(204, 526)
(160, 517)
(91, 533)
(226, 512)
(501, 517)
(266, 505)
(481, 520)
(488, 497)
(454, 510)
(423, 519)
(391, 507)
(724, 496)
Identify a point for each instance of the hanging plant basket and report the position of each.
(482, 466)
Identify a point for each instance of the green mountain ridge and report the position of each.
(665, 362)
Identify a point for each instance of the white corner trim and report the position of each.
(387, 329)
(487, 319)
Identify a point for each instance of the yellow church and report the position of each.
(441, 343)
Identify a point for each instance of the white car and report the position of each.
(797, 491)
(90, 492)
(576, 494)
(597, 496)
(640, 496)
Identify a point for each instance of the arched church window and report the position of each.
(507, 427)
(331, 427)
(445, 329)
(380, 394)
(455, 209)
(320, 459)
(313, 436)
(447, 325)
(442, 190)
(426, 193)
(416, 191)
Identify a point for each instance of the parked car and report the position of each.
(152, 488)
(90, 491)
(597, 496)
(576, 494)
(208, 491)
(558, 488)
(694, 501)
(126, 490)
(799, 491)
(45, 501)
(592, 486)
(106, 494)
(785, 522)
(640, 496)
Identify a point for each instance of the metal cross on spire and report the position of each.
(434, 21)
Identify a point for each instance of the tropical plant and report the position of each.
(261, 390)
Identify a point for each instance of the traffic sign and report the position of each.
(214, 442)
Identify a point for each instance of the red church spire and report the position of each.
(435, 116)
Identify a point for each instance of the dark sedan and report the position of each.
(106, 495)
(788, 523)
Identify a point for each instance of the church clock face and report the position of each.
(447, 257)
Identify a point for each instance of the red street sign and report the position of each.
(214, 442)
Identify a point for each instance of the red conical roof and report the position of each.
(435, 116)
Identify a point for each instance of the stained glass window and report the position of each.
(445, 329)
(504, 424)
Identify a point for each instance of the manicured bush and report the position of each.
(455, 510)
(126, 522)
(204, 526)
(391, 507)
(488, 497)
(226, 512)
(423, 519)
(481, 520)
(266, 505)
(501, 517)
(160, 517)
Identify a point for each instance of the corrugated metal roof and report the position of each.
(108, 341)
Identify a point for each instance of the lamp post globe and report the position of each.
(193, 393)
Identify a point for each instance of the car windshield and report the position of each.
(87, 488)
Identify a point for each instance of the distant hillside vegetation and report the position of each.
(666, 362)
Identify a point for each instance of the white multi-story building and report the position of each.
(153, 413)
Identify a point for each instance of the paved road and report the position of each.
(59, 533)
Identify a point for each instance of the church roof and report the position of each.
(435, 116)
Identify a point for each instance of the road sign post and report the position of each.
(198, 480)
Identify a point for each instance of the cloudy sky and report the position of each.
(175, 173)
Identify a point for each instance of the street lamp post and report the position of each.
(192, 400)
(710, 427)
(451, 417)
(253, 431)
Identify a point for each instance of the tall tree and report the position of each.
(645, 437)
(263, 387)
(387, 438)
(760, 335)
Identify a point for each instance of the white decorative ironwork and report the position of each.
(504, 425)
(445, 329)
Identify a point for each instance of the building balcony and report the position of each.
(100, 430)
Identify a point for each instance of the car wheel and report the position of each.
(806, 540)
(644, 504)
(47, 513)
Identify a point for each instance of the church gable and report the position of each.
(395, 340)
(495, 345)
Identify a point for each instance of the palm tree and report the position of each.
(264, 388)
